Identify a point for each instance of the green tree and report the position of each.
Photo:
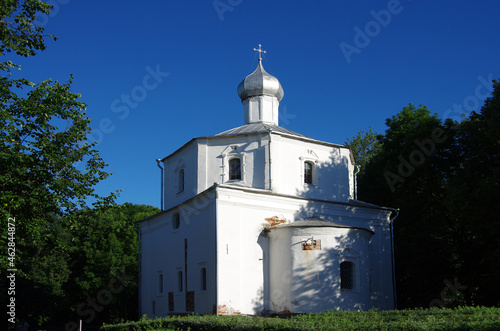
(364, 145)
(47, 167)
(474, 193)
(104, 254)
(85, 269)
(445, 178)
(409, 172)
(18, 31)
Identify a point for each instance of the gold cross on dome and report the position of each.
(260, 50)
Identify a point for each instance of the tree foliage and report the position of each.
(474, 193)
(65, 248)
(445, 178)
(47, 168)
(407, 173)
(18, 33)
(363, 145)
(85, 269)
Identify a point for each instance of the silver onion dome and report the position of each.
(260, 82)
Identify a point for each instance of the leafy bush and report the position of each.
(461, 318)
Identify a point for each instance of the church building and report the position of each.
(262, 220)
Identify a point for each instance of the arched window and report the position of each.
(181, 181)
(308, 172)
(203, 279)
(235, 169)
(347, 275)
(176, 221)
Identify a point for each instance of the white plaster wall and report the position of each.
(311, 282)
(346, 154)
(220, 150)
(242, 250)
(151, 263)
(331, 178)
(205, 162)
(243, 253)
(378, 221)
(240, 281)
(163, 249)
(382, 295)
(280, 270)
(262, 108)
(185, 158)
(240, 257)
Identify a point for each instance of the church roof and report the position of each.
(259, 127)
(255, 128)
(319, 222)
(262, 127)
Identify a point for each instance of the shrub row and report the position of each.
(461, 318)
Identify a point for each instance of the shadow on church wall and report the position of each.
(331, 180)
(315, 285)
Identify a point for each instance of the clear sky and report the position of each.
(155, 74)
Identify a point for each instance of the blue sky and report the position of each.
(155, 74)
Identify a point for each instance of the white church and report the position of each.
(261, 220)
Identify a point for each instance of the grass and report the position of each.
(462, 318)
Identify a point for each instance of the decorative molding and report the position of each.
(229, 153)
(348, 253)
(179, 165)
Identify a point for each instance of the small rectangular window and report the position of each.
(179, 281)
(190, 301)
(181, 181)
(176, 221)
(347, 275)
(308, 172)
(170, 301)
(160, 283)
(203, 279)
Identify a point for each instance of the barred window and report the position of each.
(347, 275)
(235, 169)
